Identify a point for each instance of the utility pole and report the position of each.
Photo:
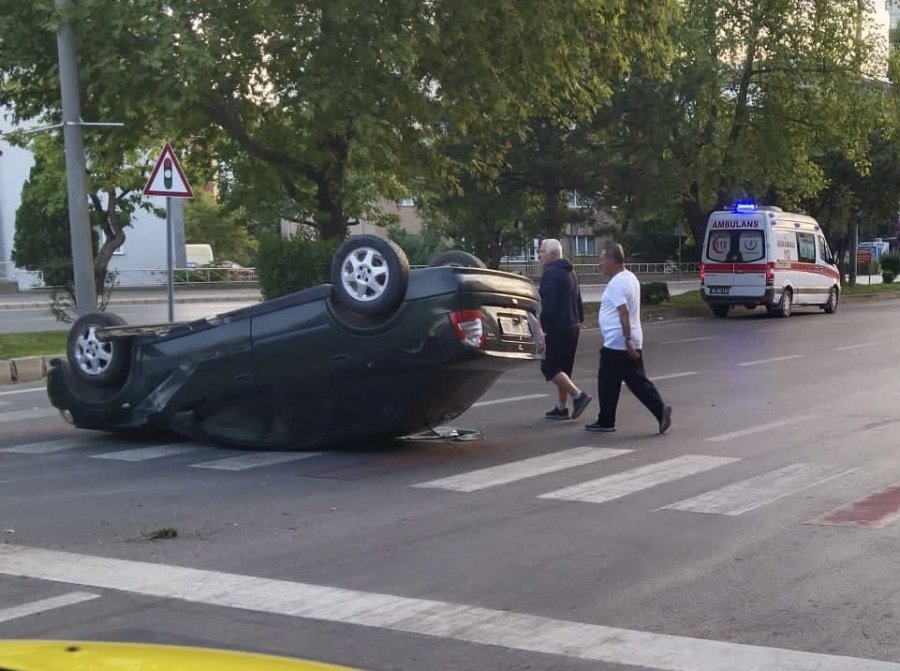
(76, 178)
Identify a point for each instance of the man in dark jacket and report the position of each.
(562, 313)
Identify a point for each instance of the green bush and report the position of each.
(654, 293)
(284, 266)
(891, 262)
(887, 276)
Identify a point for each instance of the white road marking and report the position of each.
(848, 348)
(48, 447)
(511, 399)
(747, 495)
(525, 468)
(35, 413)
(683, 340)
(440, 619)
(762, 427)
(255, 460)
(673, 376)
(147, 453)
(42, 606)
(628, 482)
(22, 391)
(772, 360)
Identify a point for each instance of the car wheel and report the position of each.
(101, 363)
(785, 307)
(370, 274)
(831, 306)
(457, 257)
(720, 310)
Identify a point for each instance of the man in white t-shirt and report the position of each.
(620, 357)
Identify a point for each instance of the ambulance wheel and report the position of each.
(784, 308)
(831, 306)
(721, 310)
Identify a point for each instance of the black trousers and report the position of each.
(617, 367)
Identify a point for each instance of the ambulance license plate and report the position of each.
(719, 291)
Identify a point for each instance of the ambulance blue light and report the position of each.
(745, 206)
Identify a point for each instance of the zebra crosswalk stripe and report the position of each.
(637, 479)
(49, 446)
(747, 495)
(255, 460)
(33, 413)
(522, 469)
(147, 453)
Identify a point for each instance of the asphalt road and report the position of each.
(731, 543)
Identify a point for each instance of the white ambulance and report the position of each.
(761, 255)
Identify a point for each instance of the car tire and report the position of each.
(785, 307)
(720, 310)
(832, 305)
(457, 257)
(369, 275)
(99, 363)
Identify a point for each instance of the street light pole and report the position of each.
(76, 178)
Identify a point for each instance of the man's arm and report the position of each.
(546, 293)
(625, 320)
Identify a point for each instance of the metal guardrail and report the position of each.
(151, 277)
(534, 269)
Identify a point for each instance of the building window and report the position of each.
(584, 245)
(577, 201)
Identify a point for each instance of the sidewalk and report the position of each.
(143, 296)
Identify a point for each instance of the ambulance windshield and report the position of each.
(736, 246)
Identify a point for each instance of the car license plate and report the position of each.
(515, 326)
(719, 291)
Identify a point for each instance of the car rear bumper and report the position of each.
(768, 298)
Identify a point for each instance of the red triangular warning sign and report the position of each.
(167, 178)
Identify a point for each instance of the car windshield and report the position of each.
(736, 246)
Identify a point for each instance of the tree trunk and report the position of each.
(330, 218)
(114, 232)
(551, 219)
(696, 216)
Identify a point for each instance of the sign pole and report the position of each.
(170, 262)
(168, 179)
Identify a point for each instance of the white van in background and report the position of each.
(764, 256)
(198, 255)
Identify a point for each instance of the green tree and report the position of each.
(42, 240)
(759, 91)
(313, 102)
(481, 218)
(419, 247)
(207, 221)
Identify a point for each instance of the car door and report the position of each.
(807, 288)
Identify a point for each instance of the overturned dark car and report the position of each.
(382, 351)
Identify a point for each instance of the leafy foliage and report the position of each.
(891, 262)
(207, 222)
(290, 265)
(42, 240)
(419, 248)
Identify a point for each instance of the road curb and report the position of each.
(140, 301)
(25, 368)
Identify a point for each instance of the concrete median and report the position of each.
(27, 368)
